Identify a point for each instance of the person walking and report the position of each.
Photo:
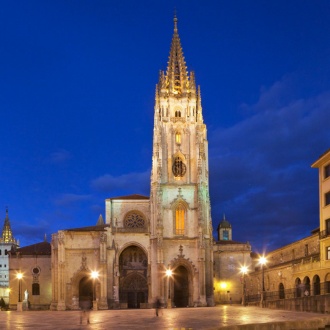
(85, 306)
(157, 306)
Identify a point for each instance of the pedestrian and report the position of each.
(157, 306)
(85, 306)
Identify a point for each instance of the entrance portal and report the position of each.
(85, 289)
(133, 265)
(181, 287)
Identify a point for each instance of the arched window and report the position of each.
(178, 138)
(179, 219)
(35, 289)
(177, 113)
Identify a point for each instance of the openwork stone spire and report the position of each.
(176, 80)
(7, 234)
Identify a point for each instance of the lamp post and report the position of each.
(94, 275)
(169, 274)
(262, 262)
(244, 270)
(19, 277)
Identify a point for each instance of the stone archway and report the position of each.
(133, 284)
(181, 287)
(85, 289)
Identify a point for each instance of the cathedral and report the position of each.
(157, 247)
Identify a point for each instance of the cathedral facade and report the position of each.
(157, 247)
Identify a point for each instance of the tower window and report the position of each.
(179, 220)
(226, 235)
(178, 138)
(177, 113)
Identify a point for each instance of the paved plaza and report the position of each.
(219, 317)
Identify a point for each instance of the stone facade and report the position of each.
(34, 289)
(297, 276)
(144, 237)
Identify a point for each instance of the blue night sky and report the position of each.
(77, 86)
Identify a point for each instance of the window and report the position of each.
(226, 235)
(178, 168)
(177, 113)
(6, 252)
(327, 226)
(134, 220)
(35, 289)
(179, 220)
(327, 198)
(328, 252)
(306, 250)
(177, 138)
(326, 171)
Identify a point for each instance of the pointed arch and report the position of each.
(178, 137)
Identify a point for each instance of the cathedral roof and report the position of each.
(130, 197)
(43, 248)
(89, 228)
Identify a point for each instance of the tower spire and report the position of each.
(176, 74)
(7, 234)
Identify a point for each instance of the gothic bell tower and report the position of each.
(180, 215)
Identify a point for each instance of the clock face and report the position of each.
(178, 168)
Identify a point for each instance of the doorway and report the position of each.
(181, 287)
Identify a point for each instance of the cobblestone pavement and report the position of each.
(171, 319)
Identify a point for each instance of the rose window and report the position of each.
(134, 220)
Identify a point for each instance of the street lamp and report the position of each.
(262, 262)
(169, 274)
(19, 276)
(94, 275)
(244, 271)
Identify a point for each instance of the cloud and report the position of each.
(60, 156)
(71, 199)
(260, 173)
(128, 183)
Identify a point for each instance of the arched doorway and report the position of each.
(307, 286)
(327, 283)
(281, 291)
(316, 285)
(298, 287)
(133, 285)
(180, 287)
(85, 289)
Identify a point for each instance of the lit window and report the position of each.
(327, 198)
(178, 138)
(179, 220)
(326, 171)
